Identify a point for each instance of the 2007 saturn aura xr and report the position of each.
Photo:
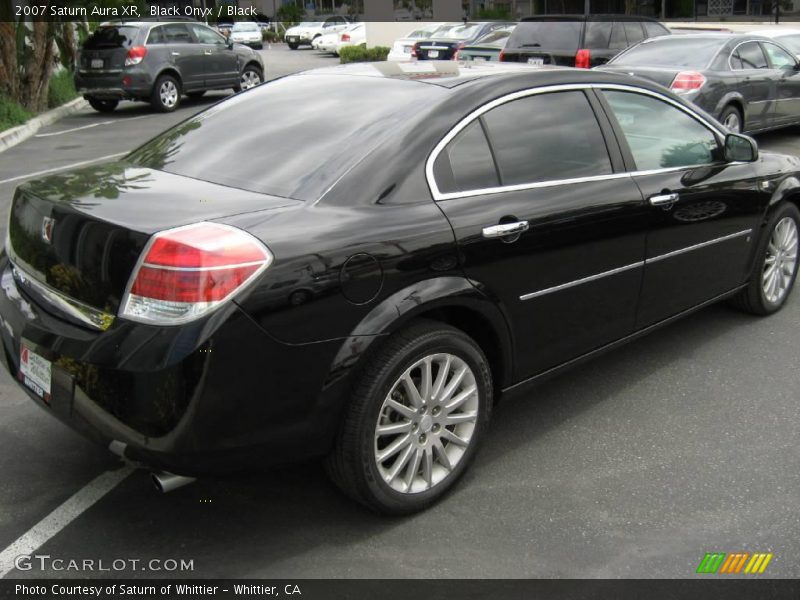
(231, 294)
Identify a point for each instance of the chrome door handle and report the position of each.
(664, 199)
(504, 229)
(176, 54)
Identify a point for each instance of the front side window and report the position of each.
(778, 57)
(547, 137)
(661, 136)
(752, 56)
(206, 36)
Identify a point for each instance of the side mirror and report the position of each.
(740, 148)
(796, 66)
(229, 43)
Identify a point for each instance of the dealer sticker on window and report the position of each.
(35, 373)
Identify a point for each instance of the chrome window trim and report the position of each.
(660, 257)
(736, 47)
(478, 112)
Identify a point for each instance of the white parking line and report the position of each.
(123, 120)
(57, 520)
(56, 169)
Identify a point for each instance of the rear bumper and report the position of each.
(214, 396)
(123, 85)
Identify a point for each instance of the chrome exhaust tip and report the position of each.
(165, 482)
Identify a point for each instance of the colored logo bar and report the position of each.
(734, 563)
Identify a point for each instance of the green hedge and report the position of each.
(351, 54)
(11, 114)
(61, 89)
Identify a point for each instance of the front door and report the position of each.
(545, 223)
(703, 212)
(220, 63)
(176, 44)
(756, 83)
(784, 69)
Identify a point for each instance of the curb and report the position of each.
(20, 133)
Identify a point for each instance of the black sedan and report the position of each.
(446, 41)
(367, 293)
(749, 83)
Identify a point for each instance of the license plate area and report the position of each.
(35, 372)
(536, 61)
(97, 63)
(433, 54)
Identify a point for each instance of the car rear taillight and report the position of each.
(345, 37)
(502, 56)
(686, 81)
(135, 55)
(459, 47)
(583, 59)
(189, 271)
(414, 51)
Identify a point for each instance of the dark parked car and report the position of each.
(749, 83)
(370, 296)
(158, 62)
(450, 38)
(577, 40)
(488, 47)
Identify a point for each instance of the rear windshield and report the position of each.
(272, 140)
(561, 35)
(675, 51)
(111, 37)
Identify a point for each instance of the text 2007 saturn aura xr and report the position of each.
(365, 293)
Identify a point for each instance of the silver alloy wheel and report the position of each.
(733, 123)
(168, 93)
(426, 423)
(781, 260)
(250, 78)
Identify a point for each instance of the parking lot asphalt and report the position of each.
(633, 465)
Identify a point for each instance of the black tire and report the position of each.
(731, 111)
(196, 95)
(293, 46)
(753, 298)
(156, 99)
(249, 69)
(103, 106)
(353, 465)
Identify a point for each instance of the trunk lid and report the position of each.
(81, 233)
(661, 75)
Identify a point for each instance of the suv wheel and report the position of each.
(250, 77)
(293, 45)
(776, 264)
(103, 106)
(415, 419)
(166, 95)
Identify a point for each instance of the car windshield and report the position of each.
(677, 51)
(233, 142)
(792, 42)
(111, 37)
(456, 32)
(547, 34)
(245, 27)
(311, 24)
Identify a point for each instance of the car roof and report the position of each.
(452, 74)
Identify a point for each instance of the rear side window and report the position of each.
(466, 162)
(659, 135)
(598, 35)
(111, 37)
(634, 32)
(654, 29)
(547, 137)
(752, 56)
(560, 35)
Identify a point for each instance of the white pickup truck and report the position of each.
(307, 31)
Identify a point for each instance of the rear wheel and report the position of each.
(415, 419)
(732, 119)
(166, 95)
(103, 106)
(776, 264)
(293, 46)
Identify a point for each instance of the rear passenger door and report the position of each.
(546, 223)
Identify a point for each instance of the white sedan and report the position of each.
(334, 42)
(247, 33)
(401, 49)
